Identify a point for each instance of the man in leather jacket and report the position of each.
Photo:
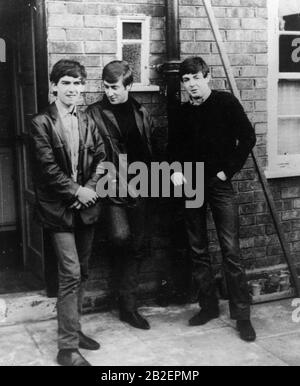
(127, 129)
(66, 148)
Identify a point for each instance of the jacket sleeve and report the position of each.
(99, 155)
(244, 134)
(49, 171)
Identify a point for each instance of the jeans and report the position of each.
(220, 197)
(73, 251)
(127, 233)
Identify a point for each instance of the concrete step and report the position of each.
(36, 306)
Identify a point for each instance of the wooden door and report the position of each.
(26, 106)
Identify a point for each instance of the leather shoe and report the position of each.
(203, 317)
(246, 330)
(71, 357)
(134, 319)
(87, 343)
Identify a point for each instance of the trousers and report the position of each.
(127, 226)
(73, 250)
(220, 196)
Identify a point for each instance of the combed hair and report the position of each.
(116, 69)
(66, 67)
(193, 65)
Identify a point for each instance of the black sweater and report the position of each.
(135, 144)
(218, 133)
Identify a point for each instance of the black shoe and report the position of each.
(203, 317)
(87, 343)
(134, 319)
(71, 358)
(246, 330)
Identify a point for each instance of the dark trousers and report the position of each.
(127, 233)
(73, 251)
(220, 197)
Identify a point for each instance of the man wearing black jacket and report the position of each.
(66, 148)
(127, 130)
(213, 128)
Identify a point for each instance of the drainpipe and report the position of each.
(171, 66)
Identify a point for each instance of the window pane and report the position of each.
(289, 53)
(289, 19)
(289, 136)
(132, 54)
(132, 31)
(289, 97)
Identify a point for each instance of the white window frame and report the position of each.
(278, 165)
(144, 85)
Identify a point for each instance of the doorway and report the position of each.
(21, 238)
(10, 242)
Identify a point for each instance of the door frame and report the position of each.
(40, 24)
(42, 87)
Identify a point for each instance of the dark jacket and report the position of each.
(218, 133)
(102, 114)
(52, 169)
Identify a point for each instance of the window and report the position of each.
(284, 88)
(134, 47)
(2, 51)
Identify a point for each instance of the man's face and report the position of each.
(68, 90)
(196, 85)
(116, 93)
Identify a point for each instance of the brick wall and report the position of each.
(86, 30)
(243, 25)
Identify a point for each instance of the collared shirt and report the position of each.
(71, 131)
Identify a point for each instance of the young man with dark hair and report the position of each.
(127, 130)
(213, 128)
(66, 148)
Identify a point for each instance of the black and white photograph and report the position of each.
(149, 186)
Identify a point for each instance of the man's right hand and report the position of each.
(87, 196)
(178, 179)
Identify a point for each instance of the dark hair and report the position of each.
(193, 65)
(116, 69)
(67, 67)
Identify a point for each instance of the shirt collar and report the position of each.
(64, 111)
(200, 101)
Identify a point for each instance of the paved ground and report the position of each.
(170, 342)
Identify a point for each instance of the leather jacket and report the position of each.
(52, 170)
(107, 124)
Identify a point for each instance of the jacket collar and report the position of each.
(137, 110)
(82, 126)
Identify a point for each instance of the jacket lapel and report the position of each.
(110, 116)
(142, 124)
(82, 127)
(58, 128)
(139, 120)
